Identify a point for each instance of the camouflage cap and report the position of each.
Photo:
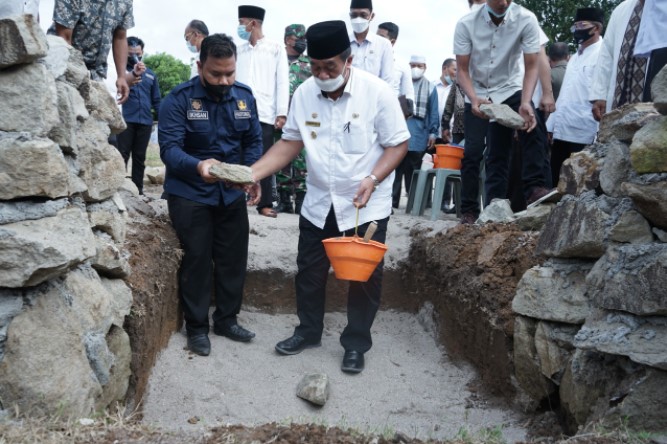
(296, 29)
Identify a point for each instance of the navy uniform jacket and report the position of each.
(143, 96)
(194, 127)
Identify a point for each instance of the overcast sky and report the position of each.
(426, 26)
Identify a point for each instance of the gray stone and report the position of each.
(527, 363)
(503, 114)
(108, 217)
(642, 339)
(121, 299)
(155, 175)
(660, 234)
(77, 74)
(99, 356)
(76, 184)
(622, 123)
(534, 218)
(616, 168)
(28, 99)
(71, 110)
(21, 41)
(650, 200)
(576, 228)
(631, 228)
(31, 168)
(118, 374)
(33, 251)
(659, 91)
(648, 151)
(555, 292)
(314, 387)
(580, 173)
(11, 304)
(102, 106)
(102, 167)
(554, 344)
(57, 57)
(18, 211)
(631, 278)
(109, 260)
(498, 210)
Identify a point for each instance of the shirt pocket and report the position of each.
(355, 137)
(196, 134)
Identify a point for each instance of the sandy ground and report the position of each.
(409, 384)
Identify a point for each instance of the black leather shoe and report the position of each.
(234, 332)
(353, 362)
(199, 344)
(295, 344)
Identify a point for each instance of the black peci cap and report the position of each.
(361, 4)
(327, 39)
(589, 15)
(251, 12)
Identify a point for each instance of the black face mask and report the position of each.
(582, 35)
(217, 91)
(300, 46)
(132, 60)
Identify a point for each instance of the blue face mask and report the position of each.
(496, 15)
(243, 34)
(448, 79)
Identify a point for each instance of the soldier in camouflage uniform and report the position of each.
(292, 179)
(94, 27)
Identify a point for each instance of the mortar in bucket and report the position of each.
(354, 258)
(448, 156)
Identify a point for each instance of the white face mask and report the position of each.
(476, 7)
(359, 24)
(330, 85)
(417, 73)
(191, 47)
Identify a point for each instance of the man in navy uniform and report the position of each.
(207, 120)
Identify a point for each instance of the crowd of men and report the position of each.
(344, 123)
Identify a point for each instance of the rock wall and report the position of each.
(592, 327)
(63, 303)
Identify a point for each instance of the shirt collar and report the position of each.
(370, 37)
(510, 15)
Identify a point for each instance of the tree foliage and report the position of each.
(557, 16)
(169, 70)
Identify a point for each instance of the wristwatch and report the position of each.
(375, 180)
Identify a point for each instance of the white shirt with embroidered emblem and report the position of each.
(496, 51)
(573, 119)
(264, 68)
(374, 55)
(344, 140)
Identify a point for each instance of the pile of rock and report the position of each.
(592, 330)
(62, 224)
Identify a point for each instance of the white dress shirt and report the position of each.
(374, 55)
(344, 140)
(194, 69)
(443, 92)
(496, 51)
(402, 80)
(10, 8)
(604, 79)
(652, 33)
(573, 119)
(264, 68)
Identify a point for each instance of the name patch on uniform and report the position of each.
(241, 114)
(311, 123)
(197, 115)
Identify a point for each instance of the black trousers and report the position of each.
(134, 142)
(266, 184)
(499, 139)
(657, 61)
(411, 162)
(560, 152)
(215, 246)
(363, 298)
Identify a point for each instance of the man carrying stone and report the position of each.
(355, 133)
(94, 27)
(204, 121)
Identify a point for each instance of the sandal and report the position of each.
(268, 212)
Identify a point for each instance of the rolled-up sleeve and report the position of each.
(462, 40)
(530, 36)
(171, 136)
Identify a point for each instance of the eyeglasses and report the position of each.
(581, 25)
(188, 34)
(363, 15)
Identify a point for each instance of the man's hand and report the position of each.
(203, 168)
(254, 192)
(363, 194)
(475, 104)
(139, 69)
(280, 122)
(122, 90)
(528, 113)
(447, 135)
(599, 109)
(431, 142)
(547, 104)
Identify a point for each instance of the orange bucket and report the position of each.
(448, 156)
(353, 259)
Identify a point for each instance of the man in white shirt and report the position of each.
(355, 134)
(401, 80)
(443, 86)
(572, 124)
(262, 65)
(194, 34)
(489, 44)
(370, 52)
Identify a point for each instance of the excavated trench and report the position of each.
(441, 365)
